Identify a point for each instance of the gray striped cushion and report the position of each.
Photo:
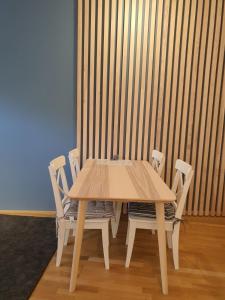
(147, 210)
(95, 209)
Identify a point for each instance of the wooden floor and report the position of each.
(201, 274)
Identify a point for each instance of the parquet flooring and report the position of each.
(201, 275)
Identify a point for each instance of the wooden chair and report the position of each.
(74, 159)
(158, 161)
(98, 214)
(144, 216)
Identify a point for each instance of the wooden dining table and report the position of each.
(124, 181)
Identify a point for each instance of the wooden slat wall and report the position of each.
(150, 74)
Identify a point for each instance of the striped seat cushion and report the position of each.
(95, 210)
(147, 210)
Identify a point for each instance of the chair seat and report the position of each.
(147, 210)
(95, 210)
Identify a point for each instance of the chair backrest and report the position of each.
(181, 184)
(74, 159)
(158, 161)
(59, 185)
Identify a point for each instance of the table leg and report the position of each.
(162, 245)
(78, 242)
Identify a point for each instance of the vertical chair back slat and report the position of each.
(158, 161)
(74, 160)
(181, 185)
(59, 185)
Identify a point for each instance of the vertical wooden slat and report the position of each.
(98, 79)
(206, 164)
(193, 87)
(118, 76)
(149, 79)
(91, 82)
(221, 142)
(219, 168)
(185, 148)
(162, 74)
(111, 76)
(198, 96)
(222, 186)
(136, 83)
(199, 190)
(124, 77)
(79, 70)
(167, 90)
(158, 32)
(188, 67)
(85, 82)
(180, 79)
(143, 80)
(105, 72)
(215, 99)
(151, 74)
(130, 82)
(219, 129)
(173, 93)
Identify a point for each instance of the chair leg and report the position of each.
(125, 208)
(169, 239)
(74, 230)
(67, 233)
(131, 236)
(175, 246)
(116, 221)
(128, 229)
(105, 244)
(61, 237)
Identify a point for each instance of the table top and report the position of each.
(120, 180)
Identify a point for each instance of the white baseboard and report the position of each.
(32, 213)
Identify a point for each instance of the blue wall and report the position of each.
(37, 111)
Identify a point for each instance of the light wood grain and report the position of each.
(118, 77)
(175, 85)
(98, 79)
(124, 78)
(111, 78)
(207, 166)
(199, 98)
(199, 187)
(92, 79)
(78, 242)
(193, 87)
(156, 69)
(169, 77)
(131, 181)
(162, 241)
(158, 31)
(130, 79)
(221, 190)
(163, 50)
(143, 81)
(201, 275)
(105, 83)
(217, 110)
(105, 180)
(188, 69)
(149, 80)
(85, 80)
(136, 80)
(180, 79)
(31, 213)
(79, 71)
